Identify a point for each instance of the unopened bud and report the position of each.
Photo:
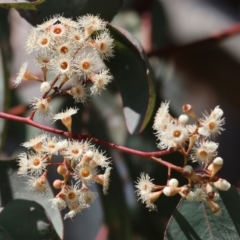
(187, 171)
(218, 161)
(62, 170)
(57, 184)
(216, 196)
(183, 119)
(217, 112)
(87, 157)
(214, 207)
(45, 87)
(171, 191)
(215, 166)
(173, 182)
(187, 108)
(222, 184)
(184, 191)
(67, 121)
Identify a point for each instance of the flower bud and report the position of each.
(187, 108)
(216, 196)
(57, 184)
(87, 157)
(45, 87)
(184, 191)
(214, 207)
(222, 184)
(183, 119)
(187, 171)
(62, 170)
(217, 112)
(173, 182)
(171, 191)
(215, 166)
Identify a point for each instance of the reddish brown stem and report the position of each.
(167, 164)
(214, 38)
(85, 136)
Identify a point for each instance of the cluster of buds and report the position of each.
(74, 52)
(193, 142)
(80, 161)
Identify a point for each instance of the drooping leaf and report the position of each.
(194, 220)
(31, 5)
(107, 9)
(134, 78)
(23, 219)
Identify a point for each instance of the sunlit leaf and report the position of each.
(20, 4)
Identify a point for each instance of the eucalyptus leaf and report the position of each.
(31, 5)
(24, 219)
(12, 187)
(106, 9)
(134, 77)
(194, 220)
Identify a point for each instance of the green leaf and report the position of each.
(4, 235)
(12, 186)
(23, 219)
(194, 220)
(20, 4)
(107, 9)
(134, 77)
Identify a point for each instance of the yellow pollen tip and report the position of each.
(44, 41)
(85, 65)
(211, 125)
(75, 151)
(85, 172)
(64, 49)
(71, 195)
(203, 154)
(57, 30)
(176, 133)
(36, 162)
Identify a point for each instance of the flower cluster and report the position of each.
(81, 162)
(74, 52)
(194, 142)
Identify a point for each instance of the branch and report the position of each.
(29, 121)
(167, 164)
(214, 38)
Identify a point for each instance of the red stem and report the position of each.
(167, 164)
(85, 136)
(214, 38)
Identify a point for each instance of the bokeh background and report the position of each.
(194, 50)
